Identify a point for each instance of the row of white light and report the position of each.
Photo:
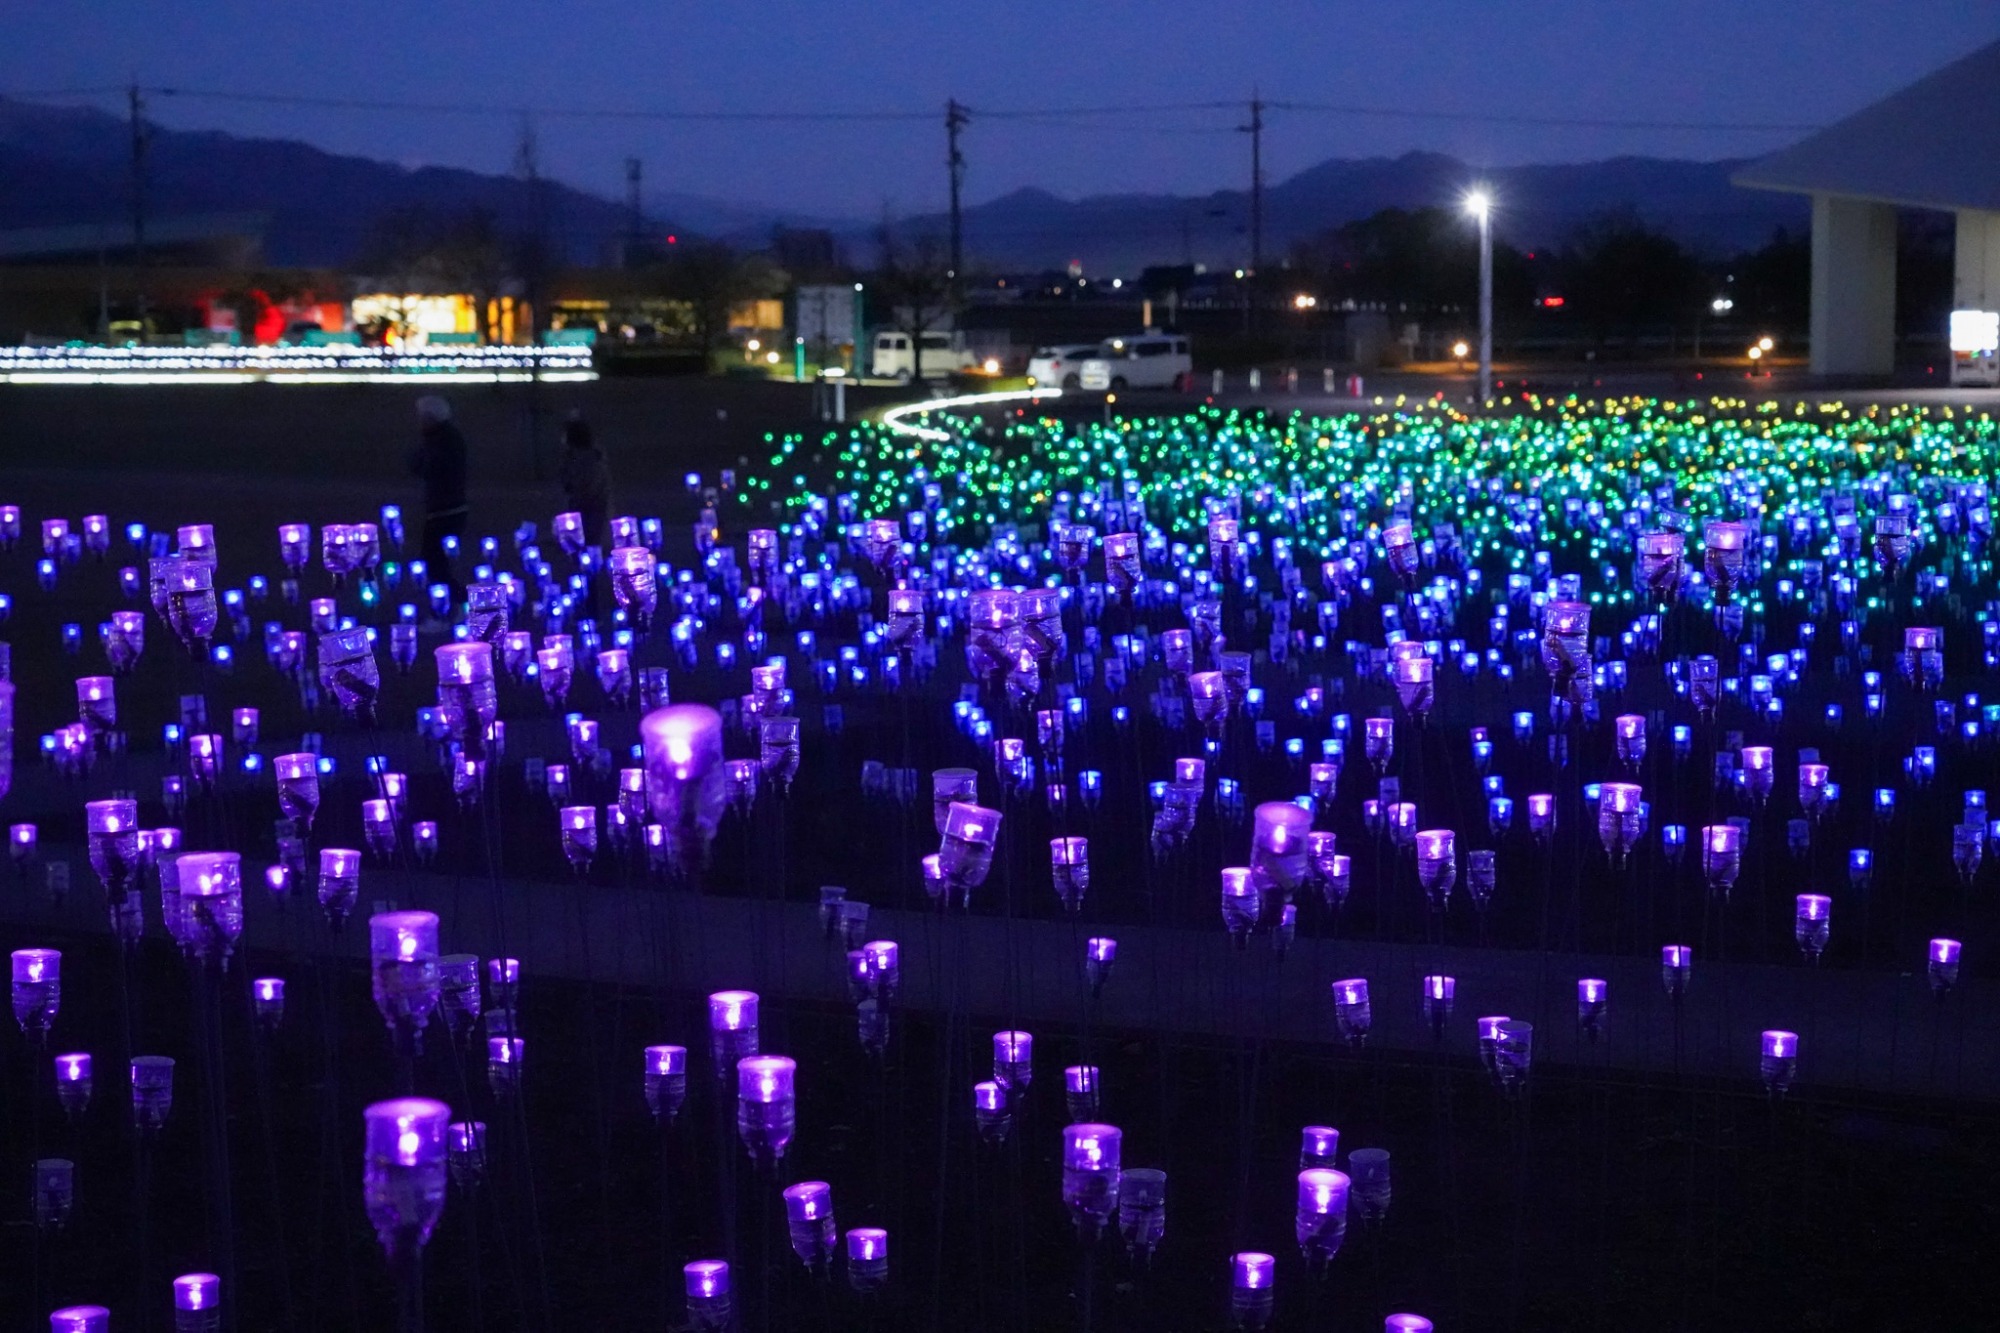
(288, 365)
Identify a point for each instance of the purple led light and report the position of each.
(1319, 1145)
(1251, 1271)
(765, 1079)
(732, 1011)
(197, 1291)
(706, 1279)
(1322, 1191)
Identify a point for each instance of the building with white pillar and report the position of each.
(1934, 145)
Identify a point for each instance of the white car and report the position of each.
(943, 354)
(1060, 367)
(1149, 361)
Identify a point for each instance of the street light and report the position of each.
(1480, 204)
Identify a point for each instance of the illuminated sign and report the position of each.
(1975, 330)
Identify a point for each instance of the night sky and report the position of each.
(1783, 62)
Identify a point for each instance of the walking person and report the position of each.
(439, 460)
(586, 483)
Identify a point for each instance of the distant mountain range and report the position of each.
(1535, 206)
(69, 165)
(66, 165)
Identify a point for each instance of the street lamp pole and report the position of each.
(1480, 205)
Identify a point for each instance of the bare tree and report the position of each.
(418, 252)
(471, 256)
(915, 278)
(399, 258)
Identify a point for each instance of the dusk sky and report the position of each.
(1784, 62)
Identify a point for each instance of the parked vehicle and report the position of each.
(1149, 361)
(943, 354)
(1059, 367)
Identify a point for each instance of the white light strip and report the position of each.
(893, 418)
(295, 377)
(335, 364)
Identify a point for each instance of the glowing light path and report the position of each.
(896, 418)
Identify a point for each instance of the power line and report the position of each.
(51, 94)
(888, 116)
(1070, 112)
(553, 113)
(1555, 122)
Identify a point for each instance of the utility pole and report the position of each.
(528, 165)
(138, 107)
(635, 211)
(955, 118)
(1255, 129)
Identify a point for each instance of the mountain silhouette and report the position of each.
(68, 165)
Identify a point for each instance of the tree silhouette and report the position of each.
(1622, 276)
(712, 279)
(913, 277)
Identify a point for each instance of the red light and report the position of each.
(1552, 302)
(673, 240)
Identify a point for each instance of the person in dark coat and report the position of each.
(586, 483)
(439, 460)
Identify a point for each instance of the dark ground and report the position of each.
(1611, 1197)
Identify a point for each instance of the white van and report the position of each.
(1149, 361)
(943, 354)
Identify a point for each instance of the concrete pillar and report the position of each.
(1853, 286)
(1976, 261)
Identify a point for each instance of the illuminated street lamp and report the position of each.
(1480, 204)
